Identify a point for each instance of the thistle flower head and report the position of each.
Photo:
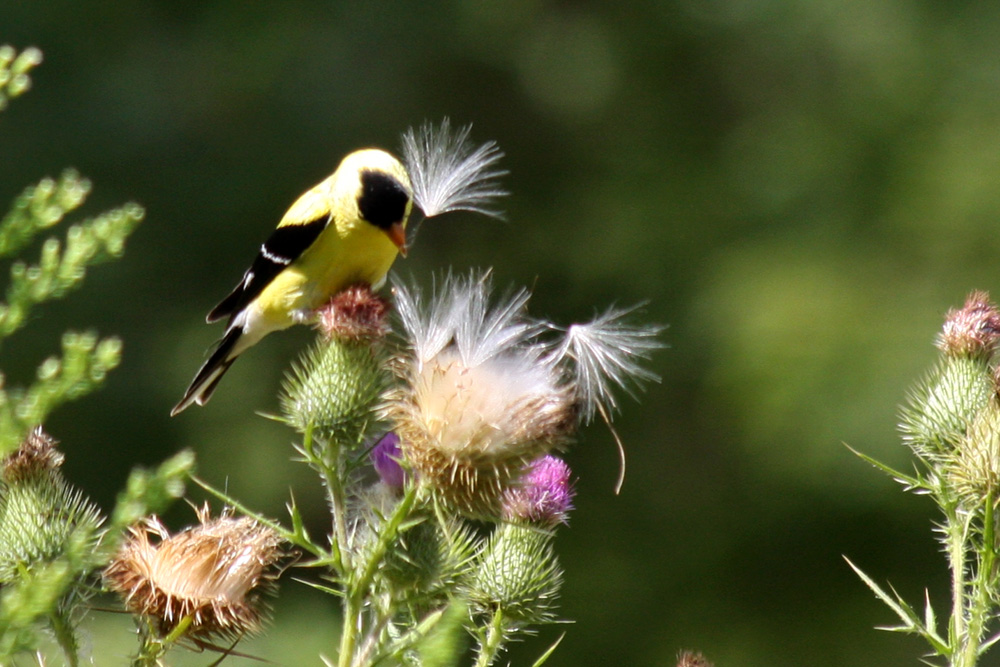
(211, 574)
(483, 390)
(517, 574)
(972, 330)
(448, 173)
(37, 455)
(543, 495)
(356, 313)
(333, 387)
(41, 515)
(692, 659)
(477, 399)
(385, 456)
(973, 467)
(607, 353)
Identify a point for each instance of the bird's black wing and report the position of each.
(284, 246)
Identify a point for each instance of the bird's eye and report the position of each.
(382, 200)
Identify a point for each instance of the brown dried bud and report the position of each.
(211, 574)
(37, 455)
(692, 659)
(972, 330)
(355, 314)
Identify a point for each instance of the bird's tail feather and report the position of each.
(208, 376)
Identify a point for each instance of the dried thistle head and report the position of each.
(692, 659)
(972, 330)
(477, 399)
(484, 389)
(212, 574)
(37, 455)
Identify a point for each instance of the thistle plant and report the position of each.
(443, 491)
(52, 538)
(951, 423)
(431, 421)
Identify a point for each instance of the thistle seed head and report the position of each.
(212, 573)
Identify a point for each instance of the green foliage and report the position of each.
(151, 492)
(14, 69)
(51, 537)
(40, 207)
(80, 370)
(61, 268)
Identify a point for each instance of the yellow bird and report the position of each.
(346, 230)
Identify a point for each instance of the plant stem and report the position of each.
(327, 467)
(359, 588)
(338, 505)
(979, 608)
(154, 649)
(65, 636)
(349, 632)
(491, 644)
(955, 549)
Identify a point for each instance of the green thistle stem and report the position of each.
(65, 636)
(490, 647)
(179, 630)
(336, 495)
(154, 649)
(979, 611)
(956, 562)
(354, 603)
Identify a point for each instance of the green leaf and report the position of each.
(14, 68)
(40, 207)
(911, 622)
(441, 635)
(909, 481)
(552, 649)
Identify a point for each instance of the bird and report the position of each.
(348, 229)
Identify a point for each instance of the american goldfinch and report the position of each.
(346, 230)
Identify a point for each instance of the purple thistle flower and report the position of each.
(543, 495)
(386, 456)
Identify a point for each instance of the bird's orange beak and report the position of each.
(397, 234)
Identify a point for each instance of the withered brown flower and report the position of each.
(212, 574)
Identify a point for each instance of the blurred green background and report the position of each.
(799, 189)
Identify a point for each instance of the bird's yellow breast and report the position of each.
(349, 250)
(340, 257)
